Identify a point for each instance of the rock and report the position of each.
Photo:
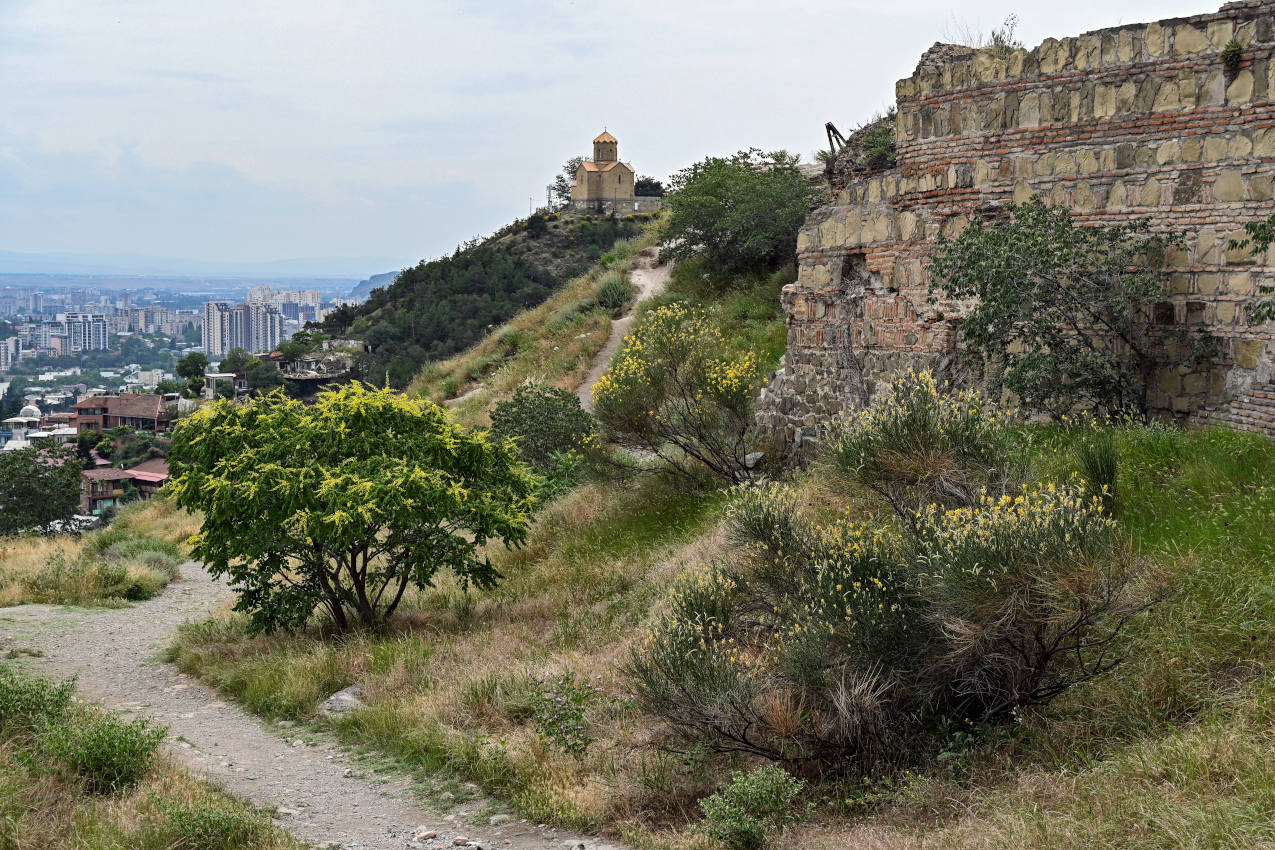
(343, 701)
(497, 820)
(753, 458)
(425, 834)
(460, 841)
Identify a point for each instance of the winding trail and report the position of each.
(650, 280)
(317, 795)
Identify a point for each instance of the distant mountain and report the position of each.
(376, 281)
(13, 262)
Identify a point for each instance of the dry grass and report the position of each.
(553, 343)
(56, 569)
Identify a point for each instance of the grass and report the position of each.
(74, 771)
(553, 343)
(134, 558)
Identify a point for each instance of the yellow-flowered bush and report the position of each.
(675, 389)
(845, 644)
(917, 443)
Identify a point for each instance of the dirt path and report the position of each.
(650, 280)
(319, 797)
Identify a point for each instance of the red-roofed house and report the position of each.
(103, 488)
(140, 411)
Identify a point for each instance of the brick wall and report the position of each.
(1139, 120)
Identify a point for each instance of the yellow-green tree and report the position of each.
(344, 504)
(676, 390)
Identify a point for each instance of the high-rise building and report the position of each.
(87, 331)
(10, 352)
(256, 327)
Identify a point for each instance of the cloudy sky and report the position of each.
(390, 130)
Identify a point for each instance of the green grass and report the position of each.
(72, 774)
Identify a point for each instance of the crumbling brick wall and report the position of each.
(1139, 120)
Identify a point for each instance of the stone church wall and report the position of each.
(1139, 120)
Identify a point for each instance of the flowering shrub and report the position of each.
(915, 445)
(847, 644)
(675, 390)
(560, 712)
(754, 807)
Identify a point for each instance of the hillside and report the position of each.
(441, 307)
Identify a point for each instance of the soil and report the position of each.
(318, 791)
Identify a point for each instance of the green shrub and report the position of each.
(545, 421)
(559, 719)
(28, 702)
(755, 807)
(914, 445)
(675, 390)
(450, 387)
(615, 293)
(210, 824)
(845, 645)
(108, 753)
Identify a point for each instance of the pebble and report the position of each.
(423, 834)
(460, 841)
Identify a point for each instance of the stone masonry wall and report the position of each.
(1139, 120)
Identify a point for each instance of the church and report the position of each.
(605, 184)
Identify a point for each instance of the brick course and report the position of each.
(1138, 120)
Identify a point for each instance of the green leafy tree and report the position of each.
(545, 421)
(1258, 236)
(1063, 308)
(648, 187)
(344, 504)
(39, 487)
(261, 376)
(742, 211)
(236, 360)
(192, 366)
(164, 387)
(560, 188)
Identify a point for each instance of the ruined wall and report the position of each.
(1139, 120)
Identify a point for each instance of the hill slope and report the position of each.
(441, 307)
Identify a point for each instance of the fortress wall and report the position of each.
(1139, 120)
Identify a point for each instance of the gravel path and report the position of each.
(650, 280)
(317, 796)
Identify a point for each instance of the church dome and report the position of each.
(30, 412)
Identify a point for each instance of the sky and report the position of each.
(368, 134)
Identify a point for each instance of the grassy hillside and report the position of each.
(441, 307)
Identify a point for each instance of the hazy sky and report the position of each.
(393, 129)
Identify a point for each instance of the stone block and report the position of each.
(1107, 159)
(1239, 283)
(1214, 149)
(1045, 165)
(1166, 98)
(1083, 196)
(1206, 283)
(1247, 352)
(1240, 147)
(1213, 92)
(1170, 381)
(1226, 312)
(1022, 192)
(1241, 88)
(1195, 383)
(1229, 186)
(1238, 255)
(1260, 187)
(1180, 284)
(1117, 197)
(1220, 32)
(1168, 152)
(1264, 143)
(1191, 150)
(1125, 97)
(1151, 193)
(1065, 165)
(1086, 161)
(1187, 40)
(1104, 101)
(982, 173)
(1155, 40)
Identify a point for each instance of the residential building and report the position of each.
(256, 326)
(10, 352)
(140, 411)
(87, 331)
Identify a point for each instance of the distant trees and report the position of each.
(192, 366)
(300, 521)
(236, 360)
(648, 187)
(39, 488)
(742, 211)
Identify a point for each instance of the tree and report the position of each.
(236, 360)
(1064, 309)
(648, 187)
(192, 366)
(561, 186)
(544, 420)
(344, 504)
(742, 211)
(260, 376)
(164, 387)
(39, 488)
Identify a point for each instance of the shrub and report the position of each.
(108, 753)
(615, 293)
(845, 645)
(560, 712)
(544, 421)
(210, 824)
(28, 702)
(675, 390)
(754, 807)
(914, 446)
